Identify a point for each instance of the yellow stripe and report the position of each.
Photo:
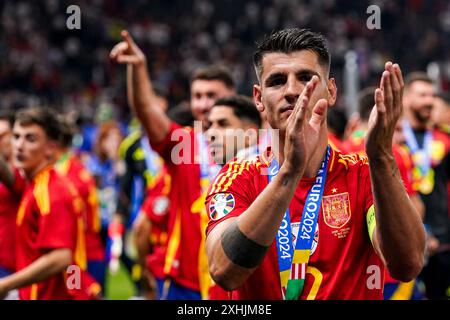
(95, 210)
(316, 284)
(371, 221)
(204, 277)
(216, 187)
(284, 277)
(63, 167)
(174, 242)
(167, 184)
(34, 291)
(332, 144)
(127, 142)
(80, 249)
(301, 256)
(41, 193)
(404, 291)
(230, 181)
(21, 211)
(332, 159)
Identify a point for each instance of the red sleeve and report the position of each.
(57, 228)
(231, 193)
(179, 141)
(19, 183)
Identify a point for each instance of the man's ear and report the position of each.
(332, 92)
(257, 97)
(50, 150)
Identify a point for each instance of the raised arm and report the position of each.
(237, 246)
(399, 235)
(143, 99)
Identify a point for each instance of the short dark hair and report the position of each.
(7, 115)
(337, 121)
(44, 117)
(181, 114)
(366, 101)
(291, 40)
(417, 76)
(243, 108)
(215, 72)
(67, 131)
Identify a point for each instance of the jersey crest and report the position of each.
(336, 210)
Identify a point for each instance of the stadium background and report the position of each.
(42, 62)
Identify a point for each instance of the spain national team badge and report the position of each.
(336, 210)
(221, 205)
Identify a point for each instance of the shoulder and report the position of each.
(239, 171)
(350, 161)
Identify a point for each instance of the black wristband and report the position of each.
(241, 250)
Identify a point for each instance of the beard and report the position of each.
(423, 114)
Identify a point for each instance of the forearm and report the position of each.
(6, 174)
(399, 231)
(154, 120)
(49, 264)
(142, 229)
(259, 223)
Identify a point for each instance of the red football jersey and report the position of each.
(49, 217)
(184, 224)
(335, 142)
(342, 257)
(72, 168)
(9, 203)
(156, 207)
(355, 144)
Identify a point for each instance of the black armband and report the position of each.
(241, 250)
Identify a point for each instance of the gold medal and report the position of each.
(427, 183)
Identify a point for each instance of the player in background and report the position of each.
(150, 227)
(185, 270)
(70, 166)
(50, 229)
(430, 152)
(12, 185)
(337, 124)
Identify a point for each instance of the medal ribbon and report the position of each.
(424, 163)
(293, 263)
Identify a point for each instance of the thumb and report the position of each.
(319, 113)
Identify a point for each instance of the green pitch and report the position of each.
(119, 286)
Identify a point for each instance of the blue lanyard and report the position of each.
(305, 236)
(424, 163)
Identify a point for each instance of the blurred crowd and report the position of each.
(44, 61)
